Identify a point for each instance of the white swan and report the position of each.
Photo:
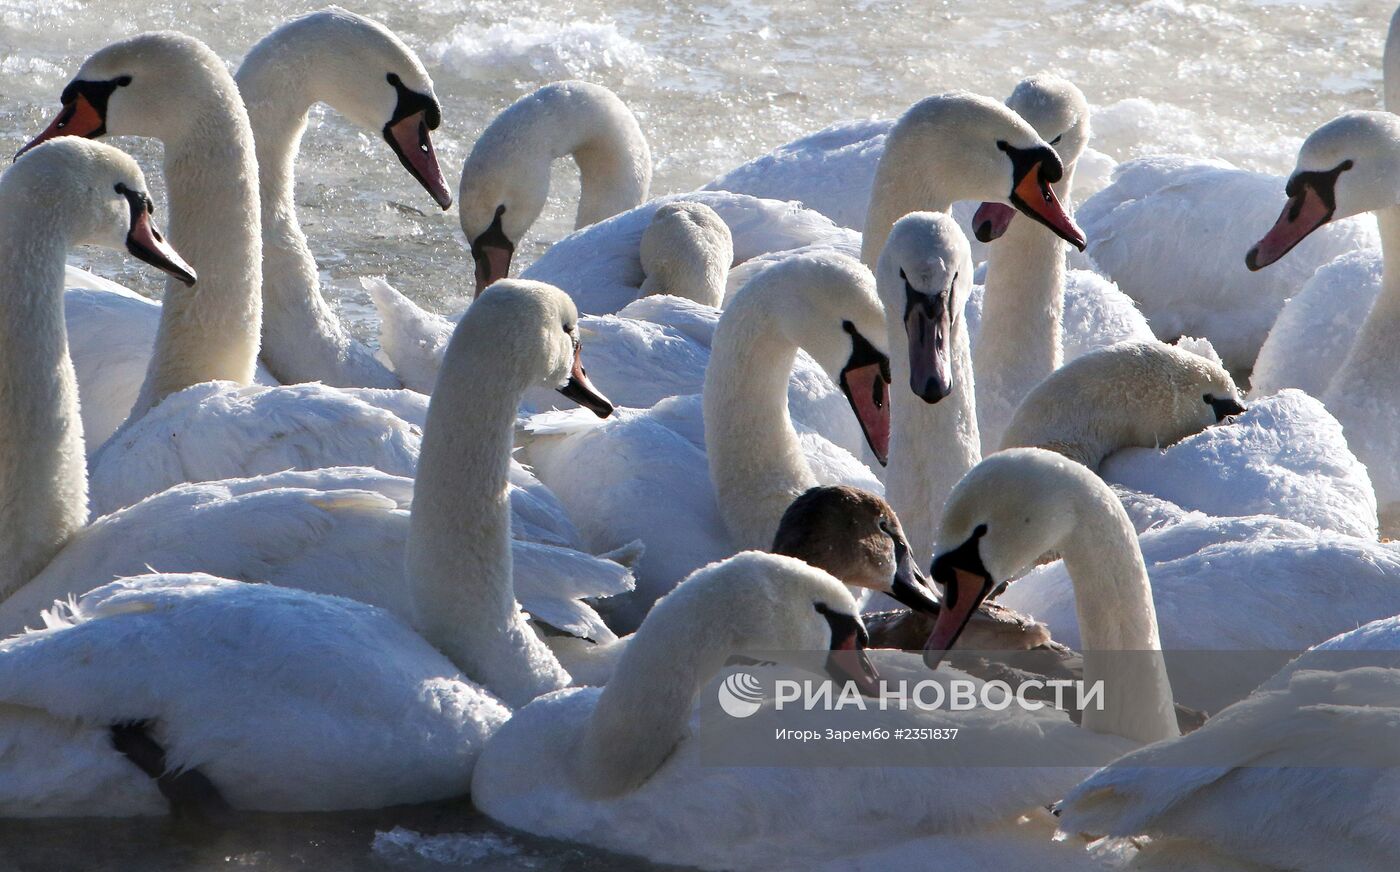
(1344, 168)
(331, 531)
(1326, 315)
(66, 193)
(1237, 312)
(621, 768)
(365, 72)
(273, 699)
(923, 278)
(1036, 312)
(1131, 394)
(174, 87)
(1190, 281)
(1145, 416)
(1298, 776)
(832, 170)
(505, 179)
(961, 146)
(303, 340)
(658, 464)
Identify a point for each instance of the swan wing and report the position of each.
(1287, 456)
(286, 700)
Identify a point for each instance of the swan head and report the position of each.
(102, 196)
(924, 277)
(980, 150)
(856, 536)
(505, 180)
(140, 86)
(825, 304)
(1059, 112)
(532, 328)
(771, 602)
(1141, 394)
(1006, 512)
(686, 252)
(363, 70)
(1347, 166)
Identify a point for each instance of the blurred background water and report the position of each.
(714, 84)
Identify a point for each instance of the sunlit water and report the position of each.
(714, 84)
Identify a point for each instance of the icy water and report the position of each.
(714, 83)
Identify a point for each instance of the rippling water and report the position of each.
(714, 83)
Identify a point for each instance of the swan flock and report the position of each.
(884, 406)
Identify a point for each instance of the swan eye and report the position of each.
(902, 276)
(1056, 140)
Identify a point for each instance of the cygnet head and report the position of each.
(101, 196)
(141, 86)
(686, 252)
(532, 329)
(368, 74)
(1131, 394)
(924, 278)
(1059, 112)
(854, 535)
(1006, 512)
(1347, 166)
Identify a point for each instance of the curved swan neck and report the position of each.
(756, 462)
(210, 331)
(931, 445)
(576, 119)
(300, 331)
(643, 710)
(613, 158)
(1022, 304)
(459, 549)
(897, 193)
(1117, 623)
(43, 473)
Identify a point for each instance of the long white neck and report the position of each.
(931, 445)
(896, 192)
(1019, 344)
(459, 558)
(1118, 624)
(611, 177)
(756, 462)
(302, 338)
(643, 710)
(43, 473)
(1378, 330)
(210, 331)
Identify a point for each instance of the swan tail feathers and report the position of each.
(412, 338)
